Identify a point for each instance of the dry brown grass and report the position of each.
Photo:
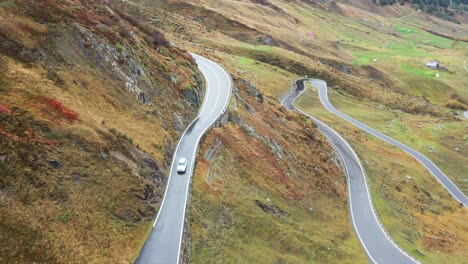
(305, 187)
(64, 198)
(419, 214)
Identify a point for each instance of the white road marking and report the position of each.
(349, 186)
(208, 64)
(396, 143)
(197, 144)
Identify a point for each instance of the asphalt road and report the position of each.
(375, 241)
(164, 243)
(430, 166)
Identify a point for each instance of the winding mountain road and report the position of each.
(164, 243)
(379, 247)
(430, 166)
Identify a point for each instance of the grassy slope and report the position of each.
(402, 49)
(225, 224)
(415, 209)
(310, 222)
(405, 57)
(430, 228)
(337, 39)
(419, 132)
(402, 57)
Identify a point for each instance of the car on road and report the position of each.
(182, 165)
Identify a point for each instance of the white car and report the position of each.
(182, 165)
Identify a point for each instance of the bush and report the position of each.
(64, 217)
(124, 33)
(63, 110)
(130, 19)
(159, 39)
(70, 115)
(113, 131)
(128, 138)
(124, 136)
(119, 47)
(454, 104)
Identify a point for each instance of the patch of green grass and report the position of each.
(363, 59)
(245, 61)
(431, 88)
(423, 37)
(164, 67)
(3, 84)
(414, 43)
(7, 3)
(407, 49)
(260, 74)
(128, 138)
(418, 71)
(74, 8)
(389, 53)
(56, 135)
(114, 131)
(256, 47)
(404, 30)
(64, 217)
(119, 47)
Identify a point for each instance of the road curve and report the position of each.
(430, 166)
(379, 247)
(164, 243)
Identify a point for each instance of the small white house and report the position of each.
(433, 64)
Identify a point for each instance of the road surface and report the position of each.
(430, 166)
(164, 243)
(378, 245)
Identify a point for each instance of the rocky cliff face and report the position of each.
(92, 104)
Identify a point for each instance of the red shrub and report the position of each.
(63, 110)
(70, 115)
(4, 110)
(54, 103)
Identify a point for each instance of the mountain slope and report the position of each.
(86, 134)
(396, 84)
(94, 95)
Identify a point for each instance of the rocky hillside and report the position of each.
(86, 130)
(95, 94)
(249, 194)
(93, 98)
